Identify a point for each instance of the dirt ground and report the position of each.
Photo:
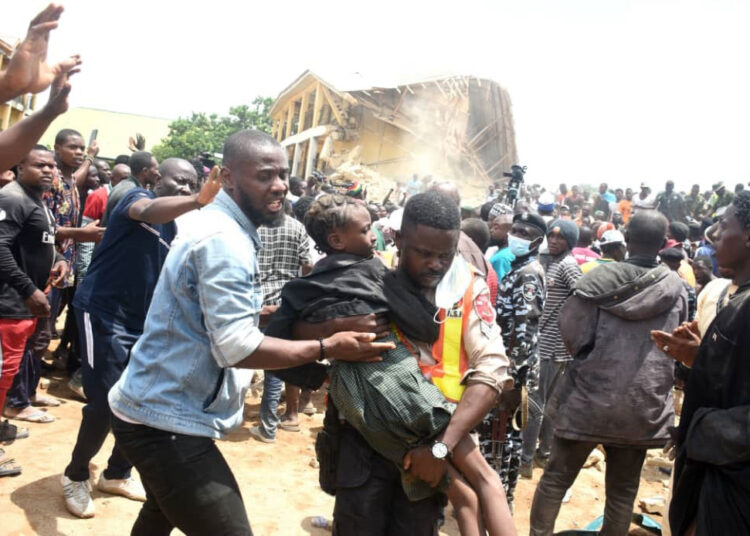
(279, 482)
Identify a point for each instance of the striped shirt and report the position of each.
(562, 273)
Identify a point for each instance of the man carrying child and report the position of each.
(466, 362)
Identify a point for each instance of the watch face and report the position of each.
(440, 450)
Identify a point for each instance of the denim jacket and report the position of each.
(203, 320)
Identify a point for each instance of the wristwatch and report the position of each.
(440, 450)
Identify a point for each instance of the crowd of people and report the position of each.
(460, 348)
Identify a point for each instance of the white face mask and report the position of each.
(518, 246)
(454, 283)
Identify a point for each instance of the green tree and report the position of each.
(190, 136)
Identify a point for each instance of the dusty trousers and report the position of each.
(622, 478)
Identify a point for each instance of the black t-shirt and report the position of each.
(27, 248)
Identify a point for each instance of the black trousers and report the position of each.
(106, 348)
(188, 483)
(370, 500)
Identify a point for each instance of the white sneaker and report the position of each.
(127, 487)
(78, 499)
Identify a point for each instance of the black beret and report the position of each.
(531, 219)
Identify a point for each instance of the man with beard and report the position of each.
(182, 389)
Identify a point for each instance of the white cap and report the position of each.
(612, 236)
(394, 220)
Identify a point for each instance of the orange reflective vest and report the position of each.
(448, 351)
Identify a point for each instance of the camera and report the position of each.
(514, 184)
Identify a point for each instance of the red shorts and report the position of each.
(14, 332)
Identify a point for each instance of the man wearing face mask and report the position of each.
(519, 305)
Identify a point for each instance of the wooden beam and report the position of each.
(289, 118)
(302, 112)
(332, 104)
(398, 105)
(317, 105)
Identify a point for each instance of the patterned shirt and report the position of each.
(520, 302)
(562, 273)
(63, 201)
(285, 249)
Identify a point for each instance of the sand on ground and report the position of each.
(279, 481)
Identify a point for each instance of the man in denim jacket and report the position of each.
(181, 389)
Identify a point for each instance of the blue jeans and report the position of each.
(269, 404)
(105, 350)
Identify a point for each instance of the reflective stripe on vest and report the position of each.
(448, 351)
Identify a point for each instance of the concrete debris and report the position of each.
(653, 505)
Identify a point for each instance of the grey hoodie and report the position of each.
(618, 388)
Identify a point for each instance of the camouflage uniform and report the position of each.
(520, 302)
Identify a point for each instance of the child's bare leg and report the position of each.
(466, 505)
(486, 483)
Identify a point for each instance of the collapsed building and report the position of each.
(458, 128)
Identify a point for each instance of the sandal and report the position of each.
(9, 432)
(310, 409)
(289, 426)
(45, 402)
(37, 416)
(9, 467)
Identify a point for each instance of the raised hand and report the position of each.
(28, 71)
(93, 149)
(210, 188)
(58, 95)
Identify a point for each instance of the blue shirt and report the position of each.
(203, 320)
(125, 267)
(500, 261)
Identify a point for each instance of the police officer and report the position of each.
(519, 306)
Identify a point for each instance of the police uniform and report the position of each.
(519, 306)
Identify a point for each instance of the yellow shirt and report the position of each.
(588, 266)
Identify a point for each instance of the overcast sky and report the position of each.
(620, 91)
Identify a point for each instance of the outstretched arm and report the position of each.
(18, 140)
(166, 209)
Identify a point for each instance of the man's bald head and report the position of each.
(448, 189)
(646, 232)
(119, 172)
(178, 177)
(241, 144)
(172, 165)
